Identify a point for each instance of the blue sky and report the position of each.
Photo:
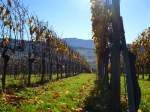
(71, 18)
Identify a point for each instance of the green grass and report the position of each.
(145, 92)
(145, 88)
(19, 80)
(65, 95)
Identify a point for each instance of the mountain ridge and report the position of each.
(82, 43)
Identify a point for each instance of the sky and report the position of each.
(72, 18)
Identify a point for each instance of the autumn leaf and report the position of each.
(29, 21)
(66, 92)
(6, 13)
(13, 100)
(140, 110)
(56, 95)
(78, 110)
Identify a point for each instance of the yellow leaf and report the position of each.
(67, 92)
(139, 110)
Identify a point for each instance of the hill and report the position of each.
(85, 48)
(89, 54)
(75, 42)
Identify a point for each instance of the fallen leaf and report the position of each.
(56, 95)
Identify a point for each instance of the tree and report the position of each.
(141, 47)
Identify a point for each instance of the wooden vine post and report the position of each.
(115, 56)
(118, 42)
(130, 88)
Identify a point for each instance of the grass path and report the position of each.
(65, 95)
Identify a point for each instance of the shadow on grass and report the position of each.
(99, 99)
(10, 89)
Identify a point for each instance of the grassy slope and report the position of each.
(65, 95)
